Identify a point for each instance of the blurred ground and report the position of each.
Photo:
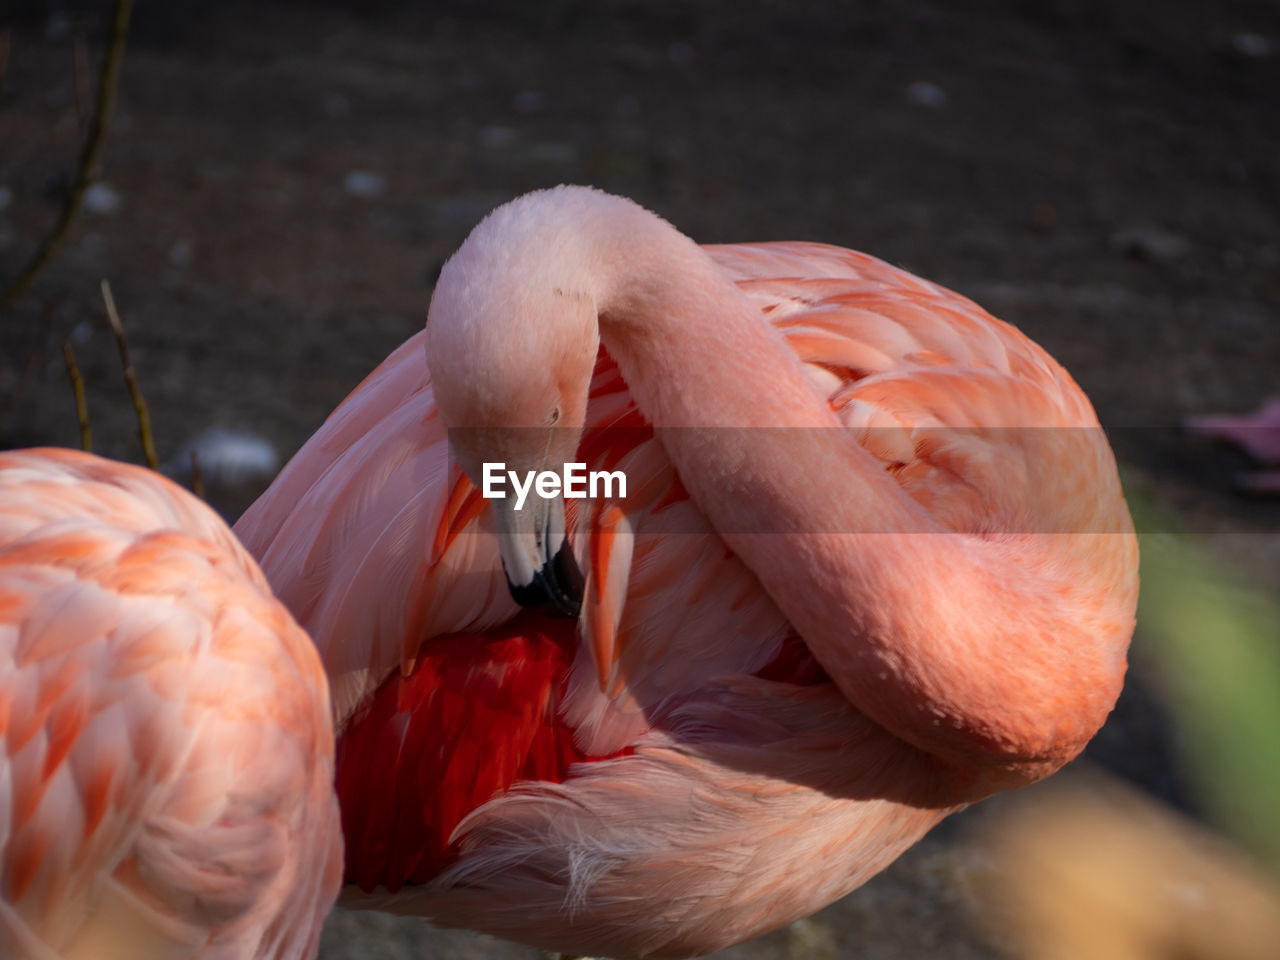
(286, 179)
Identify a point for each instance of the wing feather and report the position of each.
(363, 540)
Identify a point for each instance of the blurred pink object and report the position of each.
(1257, 434)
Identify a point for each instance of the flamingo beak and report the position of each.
(541, 571)
(556, 587)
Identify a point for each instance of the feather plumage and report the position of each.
(166, 758)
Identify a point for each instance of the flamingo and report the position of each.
(1257, 434)
(166, 747)
(854, 584)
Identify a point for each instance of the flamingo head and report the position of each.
(511, 365)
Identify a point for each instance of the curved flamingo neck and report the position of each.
(973, 650)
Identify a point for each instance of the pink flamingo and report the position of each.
(846, 594)
(1257, 434)
(166, 748)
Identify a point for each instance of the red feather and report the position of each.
(477, 714)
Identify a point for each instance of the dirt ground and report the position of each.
(286, 179)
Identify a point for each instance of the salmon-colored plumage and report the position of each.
(166, 748)
(872, 564)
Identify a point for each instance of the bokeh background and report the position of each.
(281, 182)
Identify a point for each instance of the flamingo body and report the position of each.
(773, 687)
(165, 739)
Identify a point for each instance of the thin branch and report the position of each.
(197, 477)
(88, 157)
(77, 387)
(131, 380)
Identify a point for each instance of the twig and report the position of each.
(131, 380)
(197, 478)
(77, 387)
(88, 157)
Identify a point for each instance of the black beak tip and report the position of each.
(556, 589)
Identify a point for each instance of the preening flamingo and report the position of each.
(166, 747)
(873, 564)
